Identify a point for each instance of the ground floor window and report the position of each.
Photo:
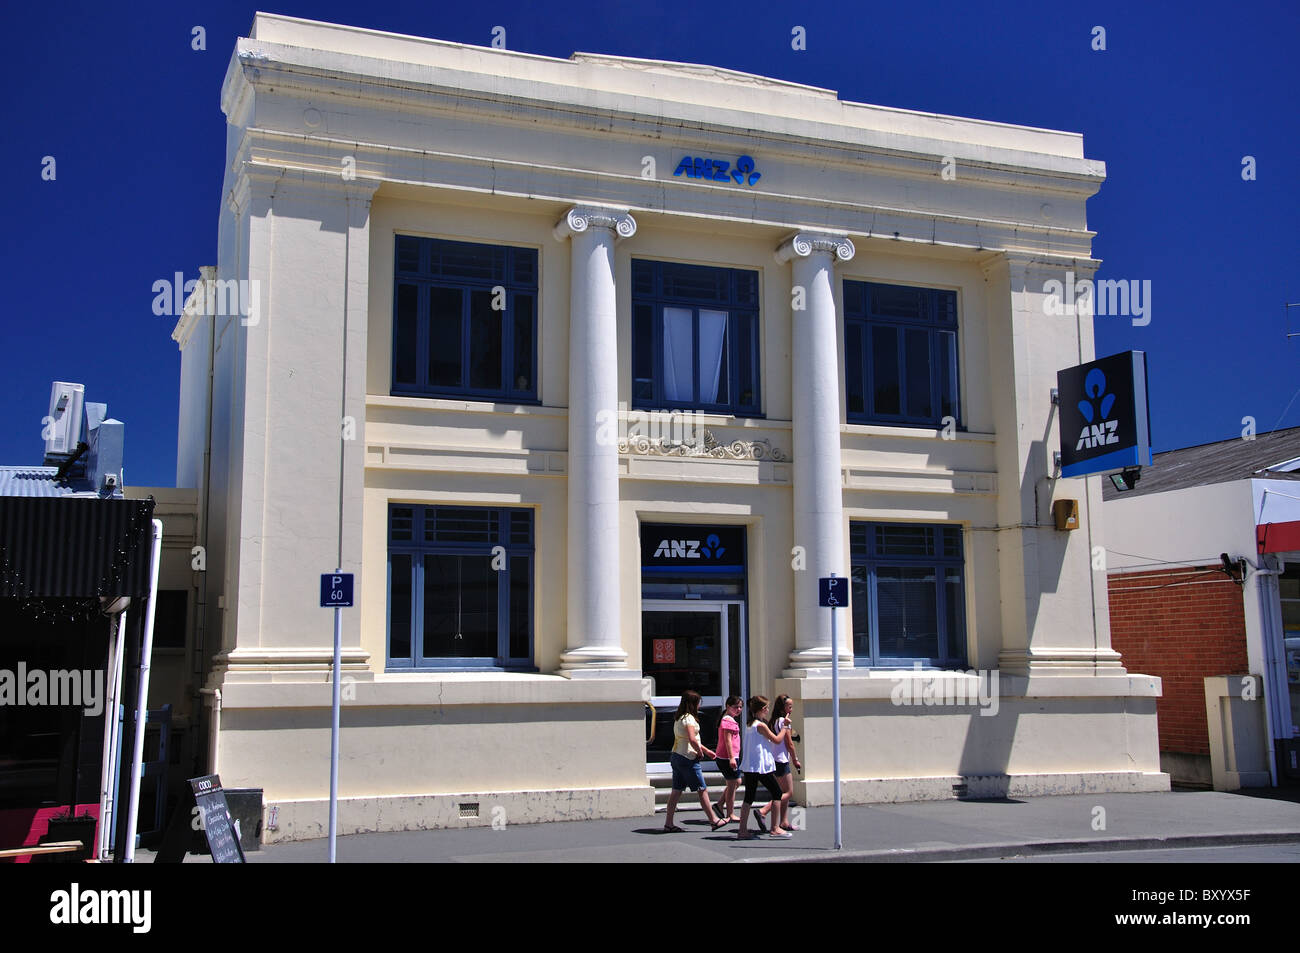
(460, 587)
(908, 596)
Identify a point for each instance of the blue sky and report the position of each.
(1180, 95)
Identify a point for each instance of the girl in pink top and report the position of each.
(729, 756)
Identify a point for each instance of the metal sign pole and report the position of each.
(334, 730)
(835, 722)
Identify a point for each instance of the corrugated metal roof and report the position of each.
(1220, 462)
(74, 548)
(39, 482)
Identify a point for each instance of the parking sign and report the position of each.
(833, 592)
(335, 590)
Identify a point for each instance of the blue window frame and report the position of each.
(464, 320)
(695, 338)
(908, 598)
(460, 587)
(900, 354)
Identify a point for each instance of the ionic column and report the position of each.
(594, 639)
(818, 493)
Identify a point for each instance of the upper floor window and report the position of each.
(908, 597)
(900, 354)
(460, 587)
(694, 338)
(464, 320)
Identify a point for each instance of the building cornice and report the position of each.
(285, 155)
(318, 75)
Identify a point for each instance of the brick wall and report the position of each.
(1191, 626)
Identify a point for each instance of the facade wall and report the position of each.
(452, 142)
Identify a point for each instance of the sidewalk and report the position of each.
(910, 832)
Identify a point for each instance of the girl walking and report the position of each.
(729, 756)
(759, 766)
(783, 755)
(688, 749)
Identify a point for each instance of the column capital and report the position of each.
(803, 244)
(581, 217)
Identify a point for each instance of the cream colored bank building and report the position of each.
(589, 369)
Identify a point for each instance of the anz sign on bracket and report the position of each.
(698, 167)
(1103, 414)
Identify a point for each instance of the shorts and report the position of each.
(724, 766)
(686, 773)
(754, 779)
(782, 768)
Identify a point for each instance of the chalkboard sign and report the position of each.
(206, 807)
(223, 842)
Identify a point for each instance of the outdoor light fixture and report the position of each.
(1127, 479)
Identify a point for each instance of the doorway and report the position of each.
(690, 645)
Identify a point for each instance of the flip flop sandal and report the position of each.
(674, 829)
(718, 825)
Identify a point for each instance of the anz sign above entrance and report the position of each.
(692, 547)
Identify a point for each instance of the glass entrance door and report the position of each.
(689, 646)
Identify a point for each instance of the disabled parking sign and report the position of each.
(833, 592)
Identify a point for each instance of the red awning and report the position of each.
(1278, 537)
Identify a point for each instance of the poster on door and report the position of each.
(665, 651)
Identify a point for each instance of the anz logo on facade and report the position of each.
(690, 548)
(1095, 407)
(698, 167)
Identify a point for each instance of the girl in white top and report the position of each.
(759, 765)
(783, 755)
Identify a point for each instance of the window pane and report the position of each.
(855, 298)
(953, 604)
(696, 282)
(460, 607)
(461, 524)
(401, 519)
(907, 616)
(405, 346)
(525, 266)
(468, 261)
(521, 614)
(948, 375)
(945, 307)
(918, 375)
(884, 371)
(643, 358)
(523, 344)
(408, 254)
(746, 287)
(679, 355)
(484, 342)
(894, 301)
(747, 360)
(643, 277)
(445, 321)
(901, 539)
(861, 615)
(399, 607)
(857, 398)
(714, 366)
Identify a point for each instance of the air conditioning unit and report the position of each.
(61, 427)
